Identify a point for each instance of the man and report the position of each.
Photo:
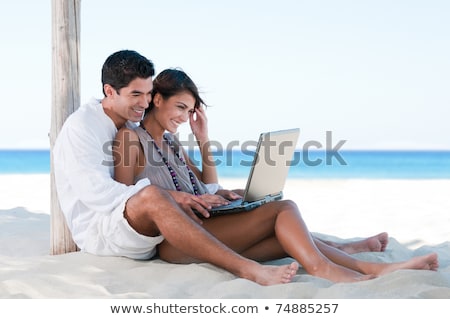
(111, 219)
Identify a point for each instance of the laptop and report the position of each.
(268, 173)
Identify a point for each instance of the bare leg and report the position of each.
(426, 262)
(276, 230)
(271, 249)
(153, 211)
(375, 243)
(250, 234)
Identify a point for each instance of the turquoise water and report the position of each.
(24, 161)
(314, 164)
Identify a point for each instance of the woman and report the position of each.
(274, 230)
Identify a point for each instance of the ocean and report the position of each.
(313, 164)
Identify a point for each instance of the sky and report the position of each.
(376, 74)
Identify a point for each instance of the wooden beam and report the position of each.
(65, 100)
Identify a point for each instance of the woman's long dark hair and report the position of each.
(171, 82)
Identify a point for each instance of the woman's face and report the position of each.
(174, 111)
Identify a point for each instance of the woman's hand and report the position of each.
(199, 125)
(231, 195)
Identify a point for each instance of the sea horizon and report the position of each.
(375, 164)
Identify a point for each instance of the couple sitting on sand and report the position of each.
(129, 190)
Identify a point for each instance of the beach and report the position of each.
(415, 213)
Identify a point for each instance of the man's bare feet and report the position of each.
(267, 275)
(375, 243)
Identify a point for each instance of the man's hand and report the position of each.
(189, 203)
(214, 200)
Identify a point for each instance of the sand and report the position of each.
(415, 213)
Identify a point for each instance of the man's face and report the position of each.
(131, 101)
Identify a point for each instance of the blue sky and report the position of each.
(375, 73)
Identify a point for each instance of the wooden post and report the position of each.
(65, 100)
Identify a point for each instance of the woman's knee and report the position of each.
(289, 204)
(273, 209)
(282, 205)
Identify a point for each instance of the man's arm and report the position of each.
(87, 166)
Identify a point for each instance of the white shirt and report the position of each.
(84, 168)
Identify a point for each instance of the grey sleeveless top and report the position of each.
(156, 170)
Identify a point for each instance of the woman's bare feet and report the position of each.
(375, 243)
(426, 262)
(267, 275)
(337, 273)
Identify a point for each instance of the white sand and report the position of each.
(416, 213)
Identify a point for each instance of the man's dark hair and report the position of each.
(122, 67)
